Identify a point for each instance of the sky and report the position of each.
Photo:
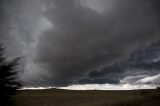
(83, 44)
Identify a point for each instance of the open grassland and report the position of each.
(55, 97)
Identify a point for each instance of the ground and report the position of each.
(55, 97)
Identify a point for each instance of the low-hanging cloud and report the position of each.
(82, 41)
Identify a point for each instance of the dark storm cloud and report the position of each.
(142, 62)
(83, 41)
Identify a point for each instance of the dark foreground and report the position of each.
(54, 97)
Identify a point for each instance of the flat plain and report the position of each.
(59, 97)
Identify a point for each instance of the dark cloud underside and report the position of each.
(82, 41)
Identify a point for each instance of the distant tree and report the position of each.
(8, 81)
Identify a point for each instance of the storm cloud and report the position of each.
(66, 42)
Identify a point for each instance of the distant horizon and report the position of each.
(95, 87)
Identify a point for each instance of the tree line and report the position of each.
(8, 80)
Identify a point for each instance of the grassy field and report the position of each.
(54, 97)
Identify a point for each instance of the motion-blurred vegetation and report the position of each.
(8, 81)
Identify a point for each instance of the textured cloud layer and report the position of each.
(82, 41)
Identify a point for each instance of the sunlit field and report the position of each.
(55, 97)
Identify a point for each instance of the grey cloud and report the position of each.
(142, 80)
(142, 63)
(82, 44)
(83, 40)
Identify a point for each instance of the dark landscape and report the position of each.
(58, 97)
(80, 52)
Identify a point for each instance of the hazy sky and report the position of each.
(68, 42)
